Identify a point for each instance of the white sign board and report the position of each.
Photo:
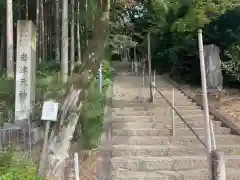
(50, 111)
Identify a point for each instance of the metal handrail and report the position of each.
(179, 115)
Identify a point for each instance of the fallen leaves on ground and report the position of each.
(87, 165)
(228, 105)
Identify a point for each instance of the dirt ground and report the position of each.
(229, 103)
(87, 165)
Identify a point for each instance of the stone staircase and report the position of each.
(143, 147)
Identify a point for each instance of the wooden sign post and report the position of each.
(49, 113)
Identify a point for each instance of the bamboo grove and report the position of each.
(64, 30)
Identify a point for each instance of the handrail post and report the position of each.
(213, 141)
(132, 67)
(136, 68)
(76, 166)
(149, 68)
(143, 78)
(218, 165)
(100, 77)
(208, 137)
(154, 85)
(173, 114)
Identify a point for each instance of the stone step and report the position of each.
(167, 121)
(176, 141)
(198, 174)
(133, 113)
(142, 145)
(192, 116)
(164, 111)
(165, 105)
(186, 113)
(150, 108)
(160, 125)
(168, 95)
(158, 118)
(175, 163)
(147, 150)
(166, 114)
(128, 99)
(131, 110)
(176, 98)
(177, 102)
(166, 132)
(139, 108)
(145, 104)
(168, 92)
(187, 107)
(187, 117)
(133, 118)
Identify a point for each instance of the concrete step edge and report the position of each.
(164, 124)
(172, 158)
(188, 173)
(162, 129)
(136, 147)
(180, 138)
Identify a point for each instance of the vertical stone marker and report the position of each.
(25, 69)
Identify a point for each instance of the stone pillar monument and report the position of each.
(25, 69)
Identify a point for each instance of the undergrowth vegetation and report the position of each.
(91, 119)
(48, 86)
(14, 165)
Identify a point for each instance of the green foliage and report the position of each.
(7, 97)
(5, 160)
(173, 27)
(48, 67)
(121, 42)
(91, 118)
(13, 168)
(48, 86)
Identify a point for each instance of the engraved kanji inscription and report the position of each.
(24, 57)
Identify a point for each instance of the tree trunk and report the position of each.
(26, 9)
(45, 34)
(64, 53)
(58, 151)
(2, 47)
(46, 23)
(57, 29)
(42, 32)
(51, 30)
(86, 22)
(9, 30)
(78, 34)
(96, 49)
(72, 38)
(19, 10)
(37, 32)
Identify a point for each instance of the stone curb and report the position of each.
(223, 118)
